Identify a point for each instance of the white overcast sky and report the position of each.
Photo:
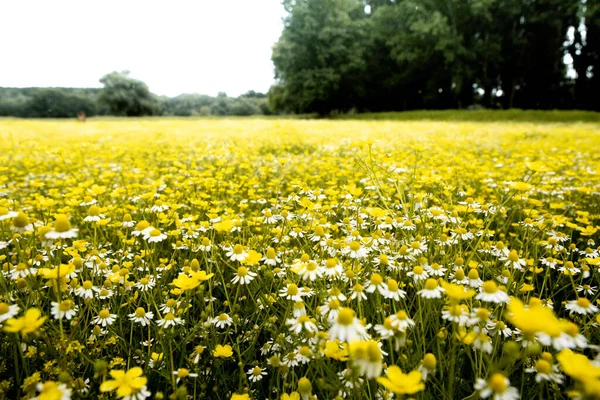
(175, 46)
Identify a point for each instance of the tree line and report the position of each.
(124, 96)
(379, 55)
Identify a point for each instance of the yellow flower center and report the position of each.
(155, 233)
(4, 308)
(183, 372)
(402, 315)
(303, 319)
(483, 314)
(312, 266)
(144, 281)
(256, 371)
(331, 263)
(473, 274)
(346, 316)
(242, 271)
(62, 224)
(583, 302)
(355, 246)
(431, 284)
(66, 305)
(292, 289)
(418, 270)
(429, 361)
(456, 310)
(490, 287)
(223, 317)
(94, 211)
(392, 285)
(3, 211)
(304, 258)
(513, 256)
(104, 314)
(373, 351)
(238, 249)
(334, 304)
(140, 312)
(498, 383)
(376, 279)
(169, 317)
(171, 303)
(20, 221)
(543, 366)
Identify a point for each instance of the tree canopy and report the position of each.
(376, 55)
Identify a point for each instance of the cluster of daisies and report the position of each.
(361, 260)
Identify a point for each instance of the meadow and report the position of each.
(299, 259)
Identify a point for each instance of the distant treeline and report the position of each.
(385, 55)
(129, 100)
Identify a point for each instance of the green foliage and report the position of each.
(48, 102)
(481, 115)
(413, 54)
(125, 96)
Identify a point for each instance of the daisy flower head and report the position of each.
(303, 322)
(169, 320)
(367, 355)
(62, 229)
(222, 321)
(183, 373)
(291, 292)
(393, 291)
(492, 294)
(105, 318)
(356, 250)
(581, 306)
(418, 273)
(64, 309)
(21, 223)
(53, 390)
(94, 214)
(513, 260)
(256, 374)
(347, 328)
(142, 228)
(8, 311)
(5, 213)
(497, 387)
(142, 317)
(545, 370)
(401, 321)
(154, 236)
(85, 290)
(428, 365)
(243, 276)
(237, 253)
(375, 283)
(431, 290)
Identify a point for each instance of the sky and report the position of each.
(174, 46)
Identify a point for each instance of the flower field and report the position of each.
(288, 259)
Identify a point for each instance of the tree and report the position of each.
(54, 103)
(125, 96)
(319, 59)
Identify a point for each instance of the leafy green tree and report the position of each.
(319, 58)
(125, 96)
(54, 103)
